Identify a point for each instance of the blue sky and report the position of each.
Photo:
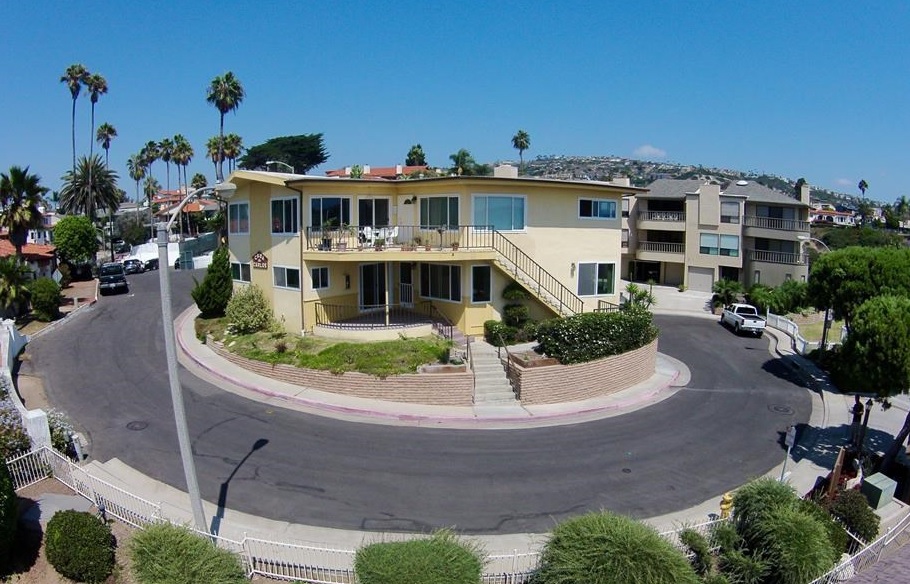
(813, 89)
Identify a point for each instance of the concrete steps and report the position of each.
(491, 385)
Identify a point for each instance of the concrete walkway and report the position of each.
(827, 426)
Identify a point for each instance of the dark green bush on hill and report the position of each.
(45, 299)
(80, 546)
(214, 292)
(9, 509)
(173, 554)
(440, 559)
(594, 335)
(853, 509)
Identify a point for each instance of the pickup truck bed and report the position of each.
(743, 318)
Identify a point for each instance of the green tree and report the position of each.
(199, 181)
(15, 276)
(862, 186)
(45, 299)
(165, 154)
(521, 141)
(233, 148)
(463, 163)
(103, 136)
(798, 186)
(74, 77)
(20, 195)
(96, 86)
(726, 292)
(876, 355)
(75, 239)
(303, 152)
(130, 228)
(416, 156)
(90, 190)
(864, 236)
(9, 515)
(213, 151)
(183, 155)
(214, 292)
(226, 94)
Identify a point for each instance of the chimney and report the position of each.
(505, 171)
(366, 169)
(804, 193)
(622, 181)
(347, 171)
(397, 169)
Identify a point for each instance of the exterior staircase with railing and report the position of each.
(491, 384)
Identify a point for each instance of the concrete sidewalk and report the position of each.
(827, 426)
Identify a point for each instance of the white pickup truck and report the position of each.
(743, 318)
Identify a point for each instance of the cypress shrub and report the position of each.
(213, 294)
(795, 546)
(166, 553)
(9, 511)
(45, 299)
(440, 559)
(605, 548)
(516, 315)
(80, 546)
(852, 508)
(248, 311)
(515, 292)
(594, 335)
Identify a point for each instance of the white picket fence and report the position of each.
(800, 345)
(322, 565)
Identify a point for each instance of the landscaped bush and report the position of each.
(248, 311)
(594, 335)
(795, 546)
(79, 546)
(440, 559)
(725, 537)
(726, 292)
(61, 432)
(837, 535)
(45, 299)
(14, 439)
(9, 511)
(605, 548)
(515, 292)
(214, 293)
(702, 558)
(498, 333)
(756, 500)
(516, 315)
(163, 552)
(741, 568)
(852, 508)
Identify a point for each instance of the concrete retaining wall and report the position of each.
(449, 389)
(550, 384)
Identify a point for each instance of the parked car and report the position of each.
(133, 266)
(112, 278)
(743, 318)
(151, 264)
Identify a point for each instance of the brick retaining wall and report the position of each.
(551, 384)
(442, 389)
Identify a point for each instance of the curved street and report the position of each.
(106, 369)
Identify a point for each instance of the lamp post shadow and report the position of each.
(223, 491)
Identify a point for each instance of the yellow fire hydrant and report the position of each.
(726, 505)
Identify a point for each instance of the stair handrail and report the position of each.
(469, 356)
(510, 366)
(567, 299)
(442, 322)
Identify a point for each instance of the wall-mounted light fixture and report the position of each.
(347, 281)
(572, 268)
(411, 200)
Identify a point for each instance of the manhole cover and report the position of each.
(137, 425)
(627, 470)
(778, 409)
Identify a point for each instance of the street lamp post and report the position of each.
(284, 164)
(225, 191)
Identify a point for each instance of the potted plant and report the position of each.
(455, 245)
(343, 232)
(327, 229)
(379, 243)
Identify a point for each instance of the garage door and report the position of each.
(701, 279)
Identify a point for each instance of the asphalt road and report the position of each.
(106, 370)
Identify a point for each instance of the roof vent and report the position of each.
(742, 183)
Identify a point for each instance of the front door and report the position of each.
(372, 286)
(406, 284)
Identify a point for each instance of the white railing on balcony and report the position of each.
(774, 223)
(662, 216)
(661, 247)
(776, 257)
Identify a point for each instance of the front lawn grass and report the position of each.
(381, 358)
(813, 331)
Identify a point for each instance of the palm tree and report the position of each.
(226, 94)
(862, 186)
(97, 86)
(182, 155)
(14, 277)
(521, 141)
(150, 154)
(74, 77)
(136, 168)
(90, 190)
(233, 149)
(20, 195)
(199, 181)
(213, 151)
(166, 153)
(105, 134)
(463, 162)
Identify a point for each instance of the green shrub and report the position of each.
(837, 535)
(761, 297)
(725, 537)
(45, 299)
(795, 546)
(79, 546)
(515, 292)
(61, 431)
(852, 508)
(9, 514)
(757, 499)
(14, 439)
(66, 277)
(442, 558)
(214, 293)
(165, 553)
(702, 559)
(791, 296)
(715, 579)
(498, 334)
(248, 311)
(605, 548)
(516, 315)
(594, 335)
(742, 569)
(726, 292)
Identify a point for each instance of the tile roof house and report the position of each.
(40, 258)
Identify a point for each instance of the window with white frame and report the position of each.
(625, 238)
(625, 207)
(330, 211)
(502, 212)
(320, 277)
(595, 279)
(239, 218)
(240, 272)
(284, 216)
(596, 209)
(714, 244)
(286, 277)
(439, 212)
(729, 212)
(729, 245)
(481, 284)
(440, 281)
